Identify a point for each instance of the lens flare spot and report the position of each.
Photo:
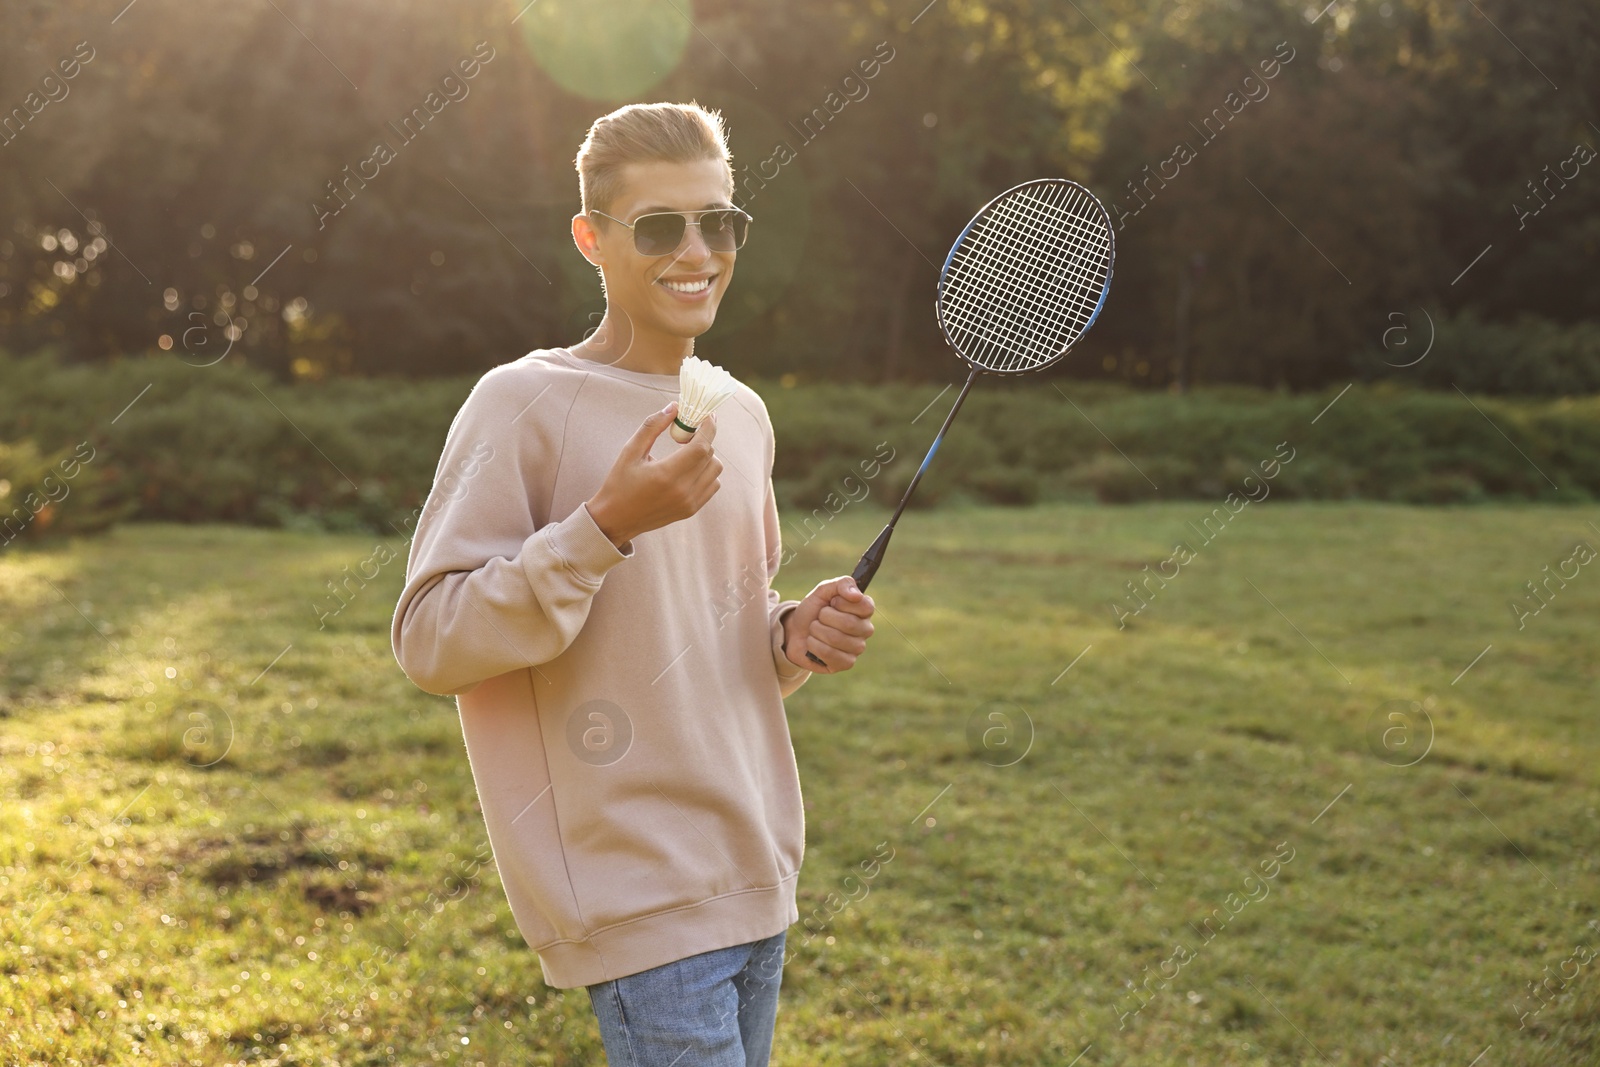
(608, 49)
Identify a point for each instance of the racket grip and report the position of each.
(865, 569)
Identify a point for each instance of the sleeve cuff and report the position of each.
(584, 547)
(787, 671)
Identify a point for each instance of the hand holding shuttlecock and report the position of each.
(702, 388)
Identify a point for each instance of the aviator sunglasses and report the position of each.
(660, 233)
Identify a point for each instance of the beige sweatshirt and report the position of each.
(622, 708)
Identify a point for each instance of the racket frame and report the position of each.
(983, 212)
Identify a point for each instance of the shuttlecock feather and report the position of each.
(702, 388)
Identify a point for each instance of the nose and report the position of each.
(694, 247)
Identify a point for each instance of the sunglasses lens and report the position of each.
(724, 230)
(658, 235)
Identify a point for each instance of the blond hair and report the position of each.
(646, 133)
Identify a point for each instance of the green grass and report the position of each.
(234, 838)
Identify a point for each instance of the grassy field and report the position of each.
(1293, 812)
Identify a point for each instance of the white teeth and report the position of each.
(688, 287)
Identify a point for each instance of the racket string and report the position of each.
(1016, 335)
(1029, 278)
(1082, 275)
(1004, 249)
(1012, 244)
(1088, 275)
(1016, 248)
(1061, 216)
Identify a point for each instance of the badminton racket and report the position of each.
(1025, 279)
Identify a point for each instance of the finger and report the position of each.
(843, 586)
(699, 480)
(838, 639)
(702, 468)
(862, 608)
(837, 659)
(707, 431)
(692, 458)
(845, 622)
(645, 436)
(702, 445)
(706, 489)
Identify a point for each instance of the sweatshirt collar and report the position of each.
(664, 383)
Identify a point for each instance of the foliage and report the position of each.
(50, 495)
(1529, 357)
(172, 195)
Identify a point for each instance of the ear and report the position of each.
(587, 240)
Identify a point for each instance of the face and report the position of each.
(677, 294)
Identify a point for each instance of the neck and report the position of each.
(616, 343)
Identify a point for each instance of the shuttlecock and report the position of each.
(702, 388)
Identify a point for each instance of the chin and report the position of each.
(683, 329)
(695, 332)
(691, 325)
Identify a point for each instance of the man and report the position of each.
(598, 599)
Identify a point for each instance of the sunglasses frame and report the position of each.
(687, 222)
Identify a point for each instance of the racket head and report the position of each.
(1027, 277)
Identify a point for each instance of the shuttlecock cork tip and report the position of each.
(681, 433)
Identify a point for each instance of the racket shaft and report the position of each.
(937, 440)
(872, 558)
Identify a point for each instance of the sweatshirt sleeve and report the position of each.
(790, 677)
(489, 588)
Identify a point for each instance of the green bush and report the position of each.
(227, 443)
(1529, 357)
(45, 495)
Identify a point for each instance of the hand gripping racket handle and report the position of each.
(865, 569)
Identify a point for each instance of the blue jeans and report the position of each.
(716, 1009)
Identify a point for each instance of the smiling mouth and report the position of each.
(689, 288)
